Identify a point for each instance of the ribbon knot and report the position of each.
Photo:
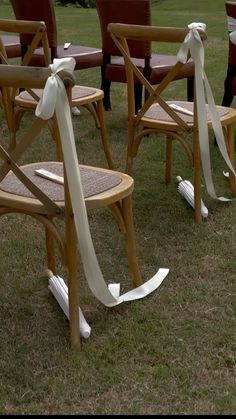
(197, 25)
(47, 103)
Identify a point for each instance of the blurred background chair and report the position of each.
(37, 30)
(24, 193)
(90, 98)
(43, 10)
(230, 79)
(154, 66)
(12, 45)
(157, 115)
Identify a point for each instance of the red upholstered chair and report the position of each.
(154, 66)
(43, 10)
(12, 45)
(230, 80)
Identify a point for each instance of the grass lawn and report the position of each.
(170, 353)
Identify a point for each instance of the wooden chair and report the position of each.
(153, 66)
(23, 192)
(158, 116)
(90, 98)
(43, 10)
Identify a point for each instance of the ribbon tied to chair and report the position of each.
(193, 43)
(54, 99)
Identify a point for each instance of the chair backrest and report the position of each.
(37, 10)
(22, 180)
(38, 36)
(6, 94)
(230, 7)
(38, 33)
(124, 11)
(121, 34)
(13, 77)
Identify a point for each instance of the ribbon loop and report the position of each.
(47, 103)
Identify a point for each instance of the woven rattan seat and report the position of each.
(157, 113)
(93, 181)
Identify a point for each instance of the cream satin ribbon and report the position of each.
(193, 44)
(54, 98)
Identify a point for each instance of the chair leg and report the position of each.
(71, 260)
(138, 91)
(197, 178)
(230, 148)
(190, 89)
(130, 241)
(106, 85)
(92, 108)
(228, 95)
(227, 100)
(104, 135)
(53, 126)
(129, 156)
(168, 159)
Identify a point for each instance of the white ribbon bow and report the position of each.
(193, 44)
(54, 97)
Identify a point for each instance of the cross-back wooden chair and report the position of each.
(90, 98)
(177, 120)
(154, 65)
(23, 192)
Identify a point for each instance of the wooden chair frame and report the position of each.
(173, 124)
(45, 209)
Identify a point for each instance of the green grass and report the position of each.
(170, 353)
